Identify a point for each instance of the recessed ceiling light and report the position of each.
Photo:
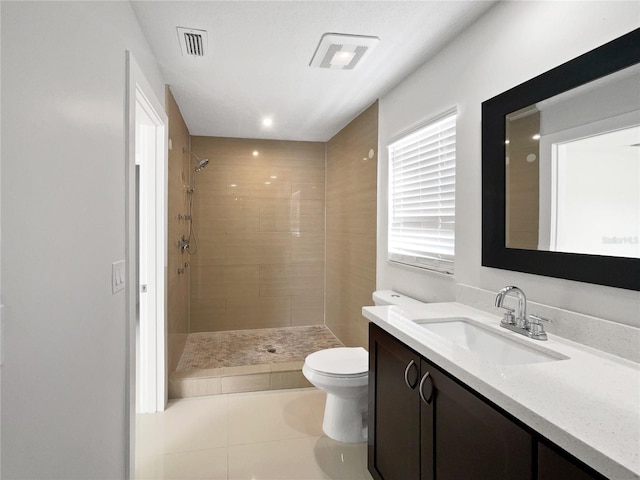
(273, 176)
(267, 183)
(255, 153)
(267, 122)
(342, 58)
(339, 51)
(536, 136)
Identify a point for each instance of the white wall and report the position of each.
(512, 43)
(63, 224)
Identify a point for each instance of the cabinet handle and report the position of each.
(411, 385)
(426, 398)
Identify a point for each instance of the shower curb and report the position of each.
(251, 378)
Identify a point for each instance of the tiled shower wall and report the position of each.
(352, 160)
(177, 283)
(260, 228)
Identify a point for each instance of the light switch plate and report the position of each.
(117, 276)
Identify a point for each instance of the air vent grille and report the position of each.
(192, 41)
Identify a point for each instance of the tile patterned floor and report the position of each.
(261, 436)
(253, 347)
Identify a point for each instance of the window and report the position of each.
(422, 185)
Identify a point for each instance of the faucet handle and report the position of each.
(508, 318)
(536, 329)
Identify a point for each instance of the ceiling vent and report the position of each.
(339, 51)
(192, 41)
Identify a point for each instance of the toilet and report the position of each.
(342, 373)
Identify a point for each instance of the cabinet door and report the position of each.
(555, 464)
(471, 439)
(394, 408)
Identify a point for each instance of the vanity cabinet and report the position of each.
(463, 437)
(394, 430)
(424, 424)
(554, 464)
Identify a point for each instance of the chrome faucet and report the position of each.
(520, 319)
(520, 322)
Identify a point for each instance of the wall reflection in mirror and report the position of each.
(573, 170)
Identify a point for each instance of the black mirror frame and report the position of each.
(618, 272)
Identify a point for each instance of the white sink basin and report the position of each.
(481, 341)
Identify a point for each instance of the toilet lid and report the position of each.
(339, 361)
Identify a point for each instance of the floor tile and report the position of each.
(258, 435)
(186, 424)
(275, 415)
(342, 461)
(199, 464)
(290, 459)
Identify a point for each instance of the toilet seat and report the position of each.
(351, 362)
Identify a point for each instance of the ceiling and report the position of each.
(258, 53)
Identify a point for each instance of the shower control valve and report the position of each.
(183, 244)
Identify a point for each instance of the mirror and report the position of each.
(561, 170)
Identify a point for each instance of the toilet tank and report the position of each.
(390, 297)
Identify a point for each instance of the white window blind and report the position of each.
(422, 188)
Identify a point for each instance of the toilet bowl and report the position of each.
(343, 374)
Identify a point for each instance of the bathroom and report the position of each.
(259, 230)
(510, 44)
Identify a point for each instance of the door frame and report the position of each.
(139, 91)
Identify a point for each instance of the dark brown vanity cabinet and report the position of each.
(394, 430)
(463, 437)
(555, 464)
(425, 425)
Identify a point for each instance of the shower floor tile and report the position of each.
(237, 348)
(236, 361)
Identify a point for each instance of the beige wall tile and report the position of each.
(307, 310)
(258, 248)
(314, 173)
(194, 387)
(207, 314)
(263, 312)
(312, 216)
(246, 383)
(307, 247)
(275, 215)
(248, 227)
(294, 379)
(223, 281)
(291, 279)
(214, 216)
(309, 191)
(177, 284)
(351, 197)
(278, 152)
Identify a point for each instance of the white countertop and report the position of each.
(588, 404)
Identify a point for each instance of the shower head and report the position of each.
(201, 162)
